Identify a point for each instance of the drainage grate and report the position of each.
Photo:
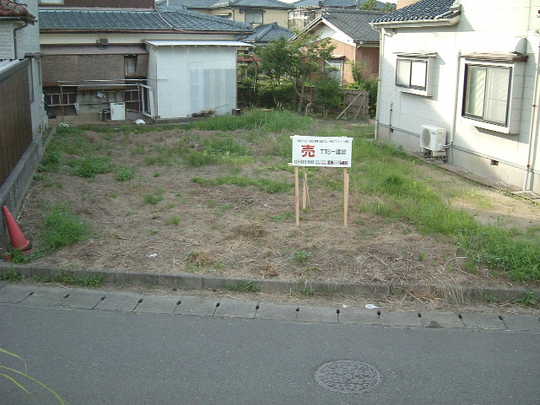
(347, 376)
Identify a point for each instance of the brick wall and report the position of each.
(82, 67)
(103, 3)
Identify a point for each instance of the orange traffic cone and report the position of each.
(18, 240)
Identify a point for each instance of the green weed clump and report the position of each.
(153, 198)
(301, 256)
(63, 228)
(266, 185)
(271, 121)
(244, 287)
(124, 173)
(90, 166)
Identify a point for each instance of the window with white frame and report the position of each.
(412, 73)
(487, 93)
(253, 16)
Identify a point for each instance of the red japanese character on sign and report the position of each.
(308, 151)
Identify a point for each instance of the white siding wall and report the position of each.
(503, 26)
(194, 79)
(6, 40)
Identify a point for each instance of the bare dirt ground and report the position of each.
(245, 232)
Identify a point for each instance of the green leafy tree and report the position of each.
(369, 5)
(309, 56)
(276, 58)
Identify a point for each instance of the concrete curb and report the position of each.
(187, 281)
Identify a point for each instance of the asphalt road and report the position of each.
(112, 357)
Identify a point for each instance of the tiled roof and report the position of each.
(423, 10)
(334, 3)
(131, 20)
(267, 33)
(9, 8)
(209, 4)
(354, 23)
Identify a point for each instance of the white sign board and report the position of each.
(321, 151)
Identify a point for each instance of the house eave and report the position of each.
(110, 31)
(443, 22)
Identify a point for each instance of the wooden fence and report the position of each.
(15, 117)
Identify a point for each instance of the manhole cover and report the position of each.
(347, 376)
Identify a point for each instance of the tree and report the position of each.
(369, 5)
(309, 56)
(296, 60)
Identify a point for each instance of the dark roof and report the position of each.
(134, 20)
(209, 4)
(423, 10)
(334, 3)
(354, 23)
(9, 8)
(267, 33)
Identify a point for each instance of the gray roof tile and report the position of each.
(423, 10)
(209, 4)
(354, 23)
(334, 3)
(267, 33)
(132, 20)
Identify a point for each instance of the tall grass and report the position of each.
(271, 121)
(396, 182)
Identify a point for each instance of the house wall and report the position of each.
(6, 40)
(270, 15)
(345, 46)
(189, 80)
(368, 57)
(28, 46)
(502, 27)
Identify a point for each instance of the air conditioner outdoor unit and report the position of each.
(433, 139)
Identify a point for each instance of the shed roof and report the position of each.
(354, 23)
(424, 10)
(237, 44)
(9, 8)
(267, 33)
(134, 20)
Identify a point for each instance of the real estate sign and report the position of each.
(321, 151)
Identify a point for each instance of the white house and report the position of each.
(462, 77)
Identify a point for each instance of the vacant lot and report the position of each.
(216, 196)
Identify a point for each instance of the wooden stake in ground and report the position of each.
(306, 201)
(345, 197)
(297, 195)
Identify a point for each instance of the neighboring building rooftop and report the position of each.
(423, 10)
(209, 4)
(267, 33)
(9, 8)
(334, 3)
(354, 23)
(133, 20)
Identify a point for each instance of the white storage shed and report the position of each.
(188, 77)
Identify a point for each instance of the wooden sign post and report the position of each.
(320, 151)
